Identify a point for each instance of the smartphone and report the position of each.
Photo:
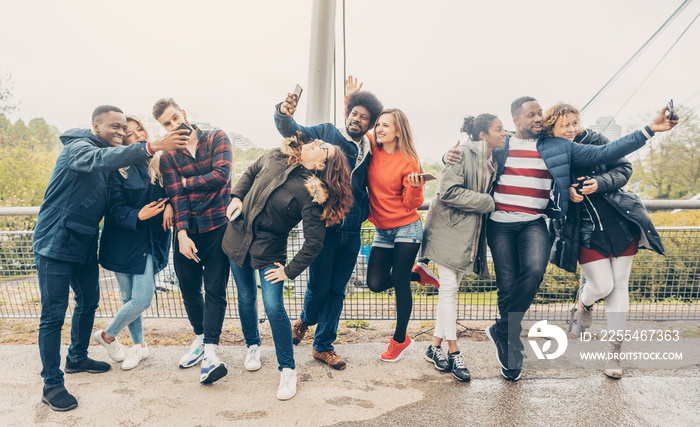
(297, 91)
(196, 257)
(235, 214)
(184, 126)
(669, 110)
(162, 199)
(427, 176)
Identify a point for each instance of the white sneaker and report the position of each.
(114, 349)
(193, 356)
(136, 354)
(252, 358)
(288, 384)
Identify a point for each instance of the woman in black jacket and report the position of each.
(309, 182)
(603, 230)
(135, 243)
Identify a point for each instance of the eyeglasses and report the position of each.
(324, 146)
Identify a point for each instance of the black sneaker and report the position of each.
(511, 374)
(59, 399)
(87, 365)
(458, 367)
(501, 346)
(437, 358)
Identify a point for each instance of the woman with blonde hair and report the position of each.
(395, 194)
(135, 244)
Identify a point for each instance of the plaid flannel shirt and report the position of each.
(201, 204)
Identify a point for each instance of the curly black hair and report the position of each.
(473, 126)
(367, 100)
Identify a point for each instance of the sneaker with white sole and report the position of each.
(288, 384)
(114, 349)
(212, 370)
(425, 275)
(193, 356)
(252, 358)
(136, 355)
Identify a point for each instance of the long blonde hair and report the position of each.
(404, 136)
(154, 163)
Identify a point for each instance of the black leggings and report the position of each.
(391, 268)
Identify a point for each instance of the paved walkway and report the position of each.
(368, 392)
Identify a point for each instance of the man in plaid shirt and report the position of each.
(198, 181)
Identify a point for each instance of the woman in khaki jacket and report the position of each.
(455, 237)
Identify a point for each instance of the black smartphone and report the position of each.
(184, 126)
(297, 91)
(669, 110)
(162, 199)
(196, 257)
(427, 176)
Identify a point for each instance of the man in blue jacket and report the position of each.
(65, 241)
(331, 271)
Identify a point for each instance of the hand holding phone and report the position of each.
(297, 91)
(196, 257)
(162, 199)
(669, 110)
(236, 213)
(427, 176)
(185, 126)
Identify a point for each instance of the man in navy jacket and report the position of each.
(65, 241)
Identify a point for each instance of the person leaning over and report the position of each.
(65, 241)
(330, 272)
(309, 182)
(198, 181)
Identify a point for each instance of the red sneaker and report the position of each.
(427, 277)
(396, 350)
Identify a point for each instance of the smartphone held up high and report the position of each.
(185, 126)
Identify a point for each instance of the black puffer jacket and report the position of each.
(276, 196)
(575, 231)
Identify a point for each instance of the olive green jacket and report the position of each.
(455, 228)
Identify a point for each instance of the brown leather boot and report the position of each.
(299, 331)
(331, 358)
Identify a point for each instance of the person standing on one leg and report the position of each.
(331, 271)
(198, 182)
(65, 241)
(396, 193)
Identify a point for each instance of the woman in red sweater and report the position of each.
(395, 193)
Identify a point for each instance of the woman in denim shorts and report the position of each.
(395, 193)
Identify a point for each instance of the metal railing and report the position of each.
(661, 288)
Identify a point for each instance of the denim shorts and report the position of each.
(410, 233)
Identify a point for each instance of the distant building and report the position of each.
(607, 126)
(240, 141)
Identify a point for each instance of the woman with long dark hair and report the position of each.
(395, 194)
(309, 182)
(135, 243)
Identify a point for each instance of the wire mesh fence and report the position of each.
(661, 288)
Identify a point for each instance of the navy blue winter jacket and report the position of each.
(126, 240)
(77, 195)
(327, 132)
(559, 155)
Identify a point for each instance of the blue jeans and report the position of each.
(55, 279)
(520, 253)
(328, 276)
(273, 301)
(137, 293)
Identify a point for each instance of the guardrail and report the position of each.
(661, 288)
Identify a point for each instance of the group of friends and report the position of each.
(495, 189)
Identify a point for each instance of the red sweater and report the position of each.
(393, 202)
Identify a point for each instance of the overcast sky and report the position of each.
(230, 62)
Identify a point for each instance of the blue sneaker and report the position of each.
(212, 370)
(501, 347)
